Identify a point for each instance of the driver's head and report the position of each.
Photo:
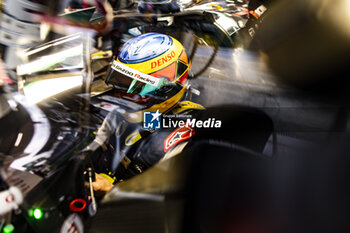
(151, 70)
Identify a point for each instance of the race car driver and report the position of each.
(149, 76)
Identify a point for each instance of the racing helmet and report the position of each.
(151, 71)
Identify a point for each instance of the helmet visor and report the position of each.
(129, 80)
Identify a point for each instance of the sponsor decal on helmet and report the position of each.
(179, 135)
(166, 58)
(145, 47)
(134, 74)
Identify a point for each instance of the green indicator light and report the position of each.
(31, 212)
(9, 228)
(38, 214)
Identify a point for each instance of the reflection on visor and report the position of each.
(128, 84)
(143, 89)
(119, 81)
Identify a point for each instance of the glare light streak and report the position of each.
(53, 43)
(41, 133)
(47, 61)
(19, 139)
(40, 90)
